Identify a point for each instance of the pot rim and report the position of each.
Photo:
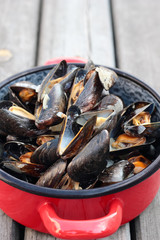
(90, 193)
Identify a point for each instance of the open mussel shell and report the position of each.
(91, 160)
(53, 175)
(91, 93)
(101, 115)
(69, 129)
(23, 94)
(60, 74)
(80, 139)
(68, 78)
(107, 77)
(16, 125)
(148, 129)
(31, 169)
(133, 110)
(47, 112)
(77, 87)
(109, 123)
(116, 173)
(46, 153)
(124, 141)
(14, 149)
(129, 143)
(56, 72)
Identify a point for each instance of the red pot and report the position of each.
(82, 214)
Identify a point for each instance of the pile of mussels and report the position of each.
(71, 133)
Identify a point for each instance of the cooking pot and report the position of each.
(82, 214)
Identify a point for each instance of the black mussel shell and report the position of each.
(53, 103)
(15, 149)
(91, 93)
(149, 130)
(46, 153)
(53, 175)
(67, 80)
(12, 124)
(112, 102)
(56, 72)
(31, 169)
(77, 87)
(23, 94)
(117, 172)
(91, 160)
(80, 139)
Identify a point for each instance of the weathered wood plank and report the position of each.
(18, 28)
(70, 28)
(9, 229)
(100, 32)
(34, 235)
(137, 38)
(18, 32)
(147, 224)
(63, 30)
(137, 42)
(123, 233)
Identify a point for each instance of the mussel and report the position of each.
(47, 112)
(24, 95)
(91, 160)
(116, 173)
(46, 153)
(71, 141)
(53, 175)
(18, 122)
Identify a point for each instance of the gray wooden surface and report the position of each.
(117, 33)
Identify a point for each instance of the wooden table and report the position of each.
(118, 33)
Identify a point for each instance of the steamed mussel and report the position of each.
(70, 132)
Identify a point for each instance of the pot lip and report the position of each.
(90, 193)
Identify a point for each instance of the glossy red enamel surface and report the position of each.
(82, 229)
(68, 60)
(24, 207)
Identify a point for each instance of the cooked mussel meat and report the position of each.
(24, 94)
(140, 163)
(125, 141)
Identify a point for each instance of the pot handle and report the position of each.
(68, 60)
(81, 229)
